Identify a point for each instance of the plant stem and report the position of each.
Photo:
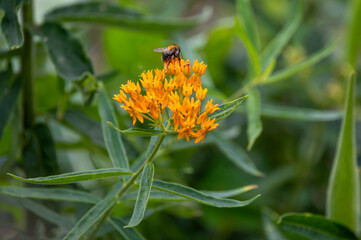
(130, 182)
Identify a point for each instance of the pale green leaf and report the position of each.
(90, 218)
(198, 196)
(143, 132)
(343, 198)
(227, 109)
(313, 227)
(254, 127)
(73, 177)
(143, 195)
(113, 141)
(55, 194)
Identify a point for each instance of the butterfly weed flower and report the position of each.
(174, 94)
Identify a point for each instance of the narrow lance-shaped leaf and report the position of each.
(343, 198)
(90, 218)
(353, 36)
(76, 176)
(120, 16)
(137, 131)
(65, 52)
(10, 24)
(113, 140)
(254, 127)
(55, 194)
(227, 109)
(143, 195)
(313, 227)
(236, 154)
(198, 196)
(127, 233)
(275, 47)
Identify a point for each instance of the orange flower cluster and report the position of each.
(182, 93)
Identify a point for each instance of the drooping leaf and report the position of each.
(55, 194)
(113, 140)
(9, 91)
(343, 198)
(254, 127)
(143, 195)
(126, 233)
(76, 176)
(10, 25)
(143, 132)
(236, 154)
(227, 109)
(313, 227)
(310, 61)
(66, 53)
(275, 47)
(120, 16)
(353, 36)
(198, 196)
(90, 218)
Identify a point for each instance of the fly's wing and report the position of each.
(160, 49)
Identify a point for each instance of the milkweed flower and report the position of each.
(178, 88)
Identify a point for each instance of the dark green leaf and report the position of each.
(65, 51)
(10, 24)
(119, 16)
(126, 233)
(76, 176)
(198, 196)
(227, 109)
(254, 127)
(9, 91)
(143, 195)
(137, 131)
(236, 154)
(56, 194)
(90, 218)
(113, 140)
(313, 227)
(343, 199)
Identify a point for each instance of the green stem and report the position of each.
(130, 182)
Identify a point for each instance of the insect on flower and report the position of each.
(173, 94)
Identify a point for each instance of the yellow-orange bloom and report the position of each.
(178, 88)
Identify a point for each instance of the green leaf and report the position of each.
(126, 233)
(310, 61)
(76, 176)
(113, 141)
(298, 114)
(353, 36)
(343, 198)
(227, 109)
(143, 132)
(120, 16)
(198, 196)
(254, 127)
(10, 24)
(231, 192)
(65, 51)
(275, 47)
(55, 194)
(154, 196)
(313, 227)
(90, 218)
(236, 154)
(9, 91)
(143, 195)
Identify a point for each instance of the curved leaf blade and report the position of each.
(73, 177)
(227, 109)
(90, 218)
(113, 141)
(55, 194)
(10, 25)
(198, 196)
(142, 132)
(313, 227)
(143, 195)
